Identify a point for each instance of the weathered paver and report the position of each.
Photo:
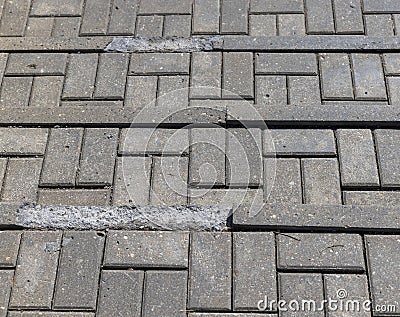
(300, 287)
(207, 157)
(23, 141)
(302, 142)
(234, 16)
(387, 145)
(250, 284)
(210, 279)
(9, 246)
(336, 81)
(141, 91)
(46, 91)
(348, 17)
(177, 25)
(36, 64)
(56, 8)
(319, 17)
(132, 181)
(78, 275)
(383, 268)
(36, 270)
(206, 17)
(95, 17)
(15, 92)
(237, 78)
(304, 90)
(274, 6)
(21, 180)
(379, 25)
(165, 293)
(357, 158)
(288, 64)
(74, 197)
(320, 252)
(98, 156)
(271, 90)
(371, 6)
(14, 17)
(123, 17)
(147, 249)
(368, 77)
(159, 64)
(62, 157)
(166, 6)
(149, 26)
(6, 281)
(291, 25)
(391, 64)
(262, 25)
(120, 291)
(321, 181)
(382, 198)
(206, 75)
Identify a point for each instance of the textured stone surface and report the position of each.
(6, 281)
(206, 17)
(237, 78)
(291, 64)
(36, 64)
(36, 270)
(147, 249)
(206, 75)
(23, 141)
(160, 64)
(210, 270)
(234, 16)
(304, 90)
(319, 17)
(320, 252)
(348, 17)
(76, 197)
(9, 245)
(271, 90)
(385, 198)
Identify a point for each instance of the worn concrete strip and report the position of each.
(175, 218)
(320, 218)
(167, 44)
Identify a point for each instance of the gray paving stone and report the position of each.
(262, 25)
(206, 75)
(36, 64)
(173, 95)
(165, 293)
(393, 83)
(23, 141)
(336, 81)
(238, 75)
(226, 197)
(383, 267)
(123, 17)
(141, 91)
(9, 246)
(3, 64)
(379, 25)
(207, 157)
(227, 315)
(40, 27)
(97, 160)
(257, 248)
(177, 25)
(22, 180)
(36, 270)
(139, 249)
(356, 289)
(321, 181)
(369, 81)
(206, 17)
(386, 6)
(234, 16)
(276, 6)
(75, 197)
(149, 26)
(62, 157)
(169, 181)
(111, 76)
(391, 63)
(320, 252)
(271, 90)
(77, 280)
(56, 8)
(302, 142)
(66, 27)
(300, 287)
(287, 64)
(382, 198)
(15, 92)
(47, 314)
(14, 17)
(120, 291)
(319, 17)
(210, 279)
(6, 281)
(387, 144)
(283, 186)
(79, 84)
(304, 90)
(244, 157)
(132, 181)
(396, 20)
(46, 91)
(139, 141)
(348, 17)
(95, 17)
(357, 158)
(291, 25)
(159, 64)
(166, 7)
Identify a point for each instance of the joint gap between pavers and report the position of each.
(84, 187)
(78, 169)
(302, 156)
(188, 271)
(96, 76)
(385, 78)
(100, 270)
(367, 273)
(302, 185)
(111, 5)
(46, 149)
(112, 191)
(321, 270)
(276, 264)
(57, 269)
(26, 20)
(334, 16)
(233, 288)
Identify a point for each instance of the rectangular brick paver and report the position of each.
(287, 64)
(6, 281)
(206, 17)
(9, 246)
(237, 78)
(159, 63)
(36, 64)
(319, 17)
